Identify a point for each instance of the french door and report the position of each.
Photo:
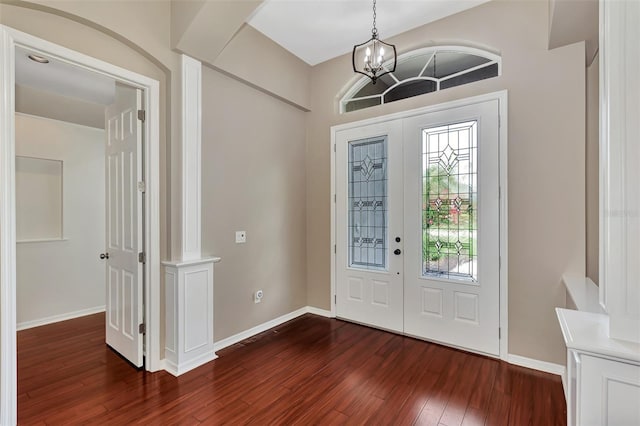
(435, 240)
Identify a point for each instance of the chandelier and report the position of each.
(370, 55)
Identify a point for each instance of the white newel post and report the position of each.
(189, 282)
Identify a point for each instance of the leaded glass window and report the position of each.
(367, 176)
(449, 201)
(423, 71)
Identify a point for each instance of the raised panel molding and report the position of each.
(196, 327)
(188, 314)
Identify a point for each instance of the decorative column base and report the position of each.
(188, 314)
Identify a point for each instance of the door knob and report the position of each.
(104, 255)
(397, 252)
(397, 239)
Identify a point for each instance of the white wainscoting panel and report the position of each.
(188, 314)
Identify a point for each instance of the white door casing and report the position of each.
(124, 231)
(461, 308)
(9, 38)
(369, 294)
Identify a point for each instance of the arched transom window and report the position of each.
(423, 71)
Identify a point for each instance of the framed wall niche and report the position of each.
(39, 199)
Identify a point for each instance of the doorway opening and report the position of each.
(146, 182)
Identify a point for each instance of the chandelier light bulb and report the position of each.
(381, 51)
(368, 52)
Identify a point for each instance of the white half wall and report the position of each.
(59, 277)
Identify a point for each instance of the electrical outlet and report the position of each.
(241, 237)
(257, 296)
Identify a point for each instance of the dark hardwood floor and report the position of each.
(311, 370)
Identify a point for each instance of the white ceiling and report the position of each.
(318, 30)
(64, 79)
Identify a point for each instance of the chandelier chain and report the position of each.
(374, 30)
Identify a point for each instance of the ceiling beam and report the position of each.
(202, 29)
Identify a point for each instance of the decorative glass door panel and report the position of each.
(368, 203)
(368, 223)
(449, 201)
(451, 227)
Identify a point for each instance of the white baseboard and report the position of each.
(176, 370)
(57, 318)
(547, 367)
(232, 340)
(320, 312)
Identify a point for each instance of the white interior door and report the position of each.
(369, 219)
(124, 309)
(451, 220)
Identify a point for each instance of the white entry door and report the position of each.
(369, 220)
(417, 226)
(124, 306)
(451, 210)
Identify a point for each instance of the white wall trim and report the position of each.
(320, 312)
(8, 364)
(191, 161)
(232, 340)
(176, 371)
(502, 97)
(57, 318)
(9, 38)
(547, 367)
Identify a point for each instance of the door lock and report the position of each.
(398, 239)
(104, 256)
(397, 252)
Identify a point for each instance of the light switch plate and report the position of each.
(241, 237)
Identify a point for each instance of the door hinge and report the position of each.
(335, 198)
(142, 115)
(335, 248)
(335, 299)
(142, 187)
(334, 147)
(142, 257)
(499, 333)
(142, 328)
(499, 262)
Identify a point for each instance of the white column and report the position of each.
(620, 166)
(191, 162)
(189, 281)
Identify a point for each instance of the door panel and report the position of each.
(124, 225)
(451, 219)
(369, 218)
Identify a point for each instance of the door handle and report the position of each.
(397, 252)
(104, 255)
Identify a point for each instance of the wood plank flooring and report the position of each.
(311, 370)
